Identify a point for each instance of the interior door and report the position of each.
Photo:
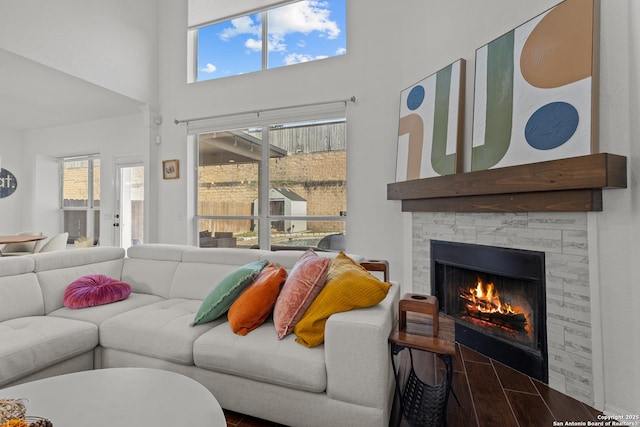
(128, 220)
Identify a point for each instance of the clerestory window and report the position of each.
(281, 35)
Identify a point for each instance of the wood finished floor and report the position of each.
(490, 394)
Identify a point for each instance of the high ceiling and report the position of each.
(34, 96)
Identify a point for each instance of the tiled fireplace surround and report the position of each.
(563, 237)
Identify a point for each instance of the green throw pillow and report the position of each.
(225, 293)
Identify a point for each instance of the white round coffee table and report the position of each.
(120, 397)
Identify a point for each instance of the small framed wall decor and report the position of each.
(170, 169)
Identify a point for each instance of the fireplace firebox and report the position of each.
(497, 297)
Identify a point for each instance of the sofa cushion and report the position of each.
(224, 256)
(161, 330)
(100, 313)
(150, 268)
(78, 258)
(148, 276)
(29, 344)
(158, 251)
(194, 280)
(304, 283)
(16, 265)
(20, 293)
(349, 286)
(262, 357)
(226, 291)
(256, 303)
(54, 281)
(201, 268)
(289, 258)
(95, 289)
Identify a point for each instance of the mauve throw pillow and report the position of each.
(95, 289)
(256, 303)
(305, 281)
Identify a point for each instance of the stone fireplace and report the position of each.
(496, 297)
(562, 239)
(543, 207)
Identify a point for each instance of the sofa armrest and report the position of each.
(357, 353)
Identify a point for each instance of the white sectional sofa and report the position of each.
(346, 381)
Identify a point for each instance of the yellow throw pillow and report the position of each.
(349, 286)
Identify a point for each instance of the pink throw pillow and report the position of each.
(305, 281)
(95, 289)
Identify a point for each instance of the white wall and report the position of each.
(369, 72)
(390, 47)
(619, 224)
(437, 33)
(120, 136)
(11, 143)
(110, 43)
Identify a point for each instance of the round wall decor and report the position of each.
(8, 183)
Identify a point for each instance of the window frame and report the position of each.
(264, 119)
(90, 209)
(193, 42)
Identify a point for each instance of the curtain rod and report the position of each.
(257, 112)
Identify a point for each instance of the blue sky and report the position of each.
(298, 32)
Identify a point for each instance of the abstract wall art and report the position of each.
(536, 89)
(430, 126)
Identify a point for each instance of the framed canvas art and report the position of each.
(536, 89)
(430, 126)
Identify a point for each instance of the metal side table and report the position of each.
(424, 329)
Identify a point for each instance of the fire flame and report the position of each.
(483, 303)
(487, 300)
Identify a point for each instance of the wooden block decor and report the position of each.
(416, 303)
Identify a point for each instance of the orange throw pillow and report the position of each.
(255, 304)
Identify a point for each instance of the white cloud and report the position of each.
(210, 68)
(244, 25)
(341, 51)
(297, 58)
(304, 17)
(277, 44)
(253, 44)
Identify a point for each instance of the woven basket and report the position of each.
(424, 404)
(15, 409)
(11, 409)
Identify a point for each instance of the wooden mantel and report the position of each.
(567, 185)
